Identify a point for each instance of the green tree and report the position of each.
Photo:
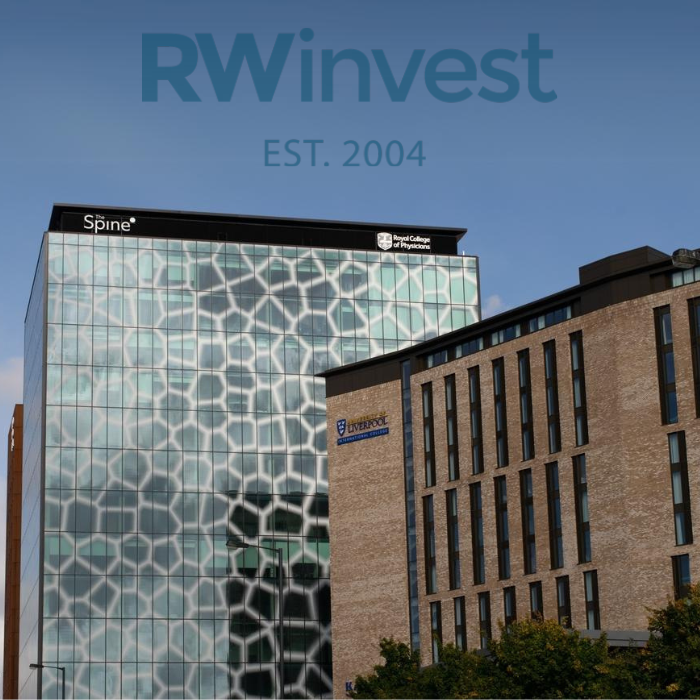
(397, 677)
(541, 659)
(400, 676)
(624, 675)
(534, 659)
(457, 675)
(672, 656)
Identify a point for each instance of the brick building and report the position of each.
(13, 530)
(541, 461)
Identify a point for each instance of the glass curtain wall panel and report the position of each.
(181, 408)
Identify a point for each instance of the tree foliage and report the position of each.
(540, 659)
(397, 677)
(672, 658)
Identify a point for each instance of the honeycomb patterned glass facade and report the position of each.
(182, 407)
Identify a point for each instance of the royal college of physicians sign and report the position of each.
(362, 428)
(409, 243)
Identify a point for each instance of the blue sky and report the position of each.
(543, 188)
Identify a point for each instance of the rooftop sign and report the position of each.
(254, 229)
(403, 242)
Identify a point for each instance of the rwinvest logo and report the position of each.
(397, 80)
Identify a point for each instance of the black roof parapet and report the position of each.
(620, 263)
(263, 230)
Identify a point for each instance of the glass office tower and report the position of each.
(171, 403)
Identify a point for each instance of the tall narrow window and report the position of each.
(484, 619)
(436, 629)
(475, 421)
(694, 313)
(680, 488)
(536, 602)
(477, 517)
(502, 534)
(460, 623)
(451, 419)
(579, 381)
(667, 365)
(428, 434)
(681, 575)
(590, 584)
(429, 545)
(583, 526)
(563, 601)
(526, 427)
(409, 481)
(509, 608)
(527, 510)
(500, 412)
(556, 540)
(453, 539)
(552, 393)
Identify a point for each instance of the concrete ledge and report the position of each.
(620, 638)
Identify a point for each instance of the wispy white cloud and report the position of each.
(10, 394)
(10, 384)
(493, 305)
